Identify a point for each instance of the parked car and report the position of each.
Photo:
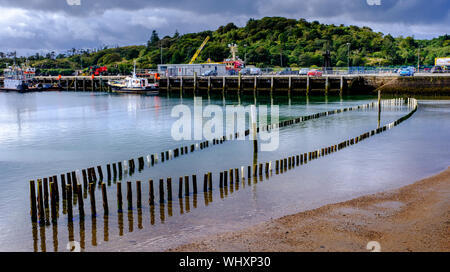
(210, 73)
(245, 71)
(436, 69)
(303, 71)
(287, 72)
(255, 71)
(315, 73)
(406, 71)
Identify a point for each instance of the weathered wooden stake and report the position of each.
(169, 189)
(33, 210)
(80, 202)
(119, 197)
(194, 183)
(69, 203)
(151, 197)
(161, 191)
(105, 199)
(186, 185)
(180, 188)
(92, 197)
(129, 195)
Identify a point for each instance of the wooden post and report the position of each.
(40, 202)
(341, 87)
(63, 186)
(205, 183)
(239, 81)
(151, 197)
(271, 84)
(231, 176)
(210, 180)
(46, 193)
(195, 82)
(168, 83)
(194, 183)
(221, 180)
(307, 85)
(114, 170)
(209, 84)
(186, 185)
(223, 84)
(255, 84)
(92, 197)
(290, 84)
(327, 84)
(55, 181)
(100, 172)
(119, 197)
(129, 196)
(181, 85)
(108, 170)
(161, 191)
(169, 189)
(80, 202)
(69, 203)
(105, 199)
(225, 178)
(33, 210)
(180, 188)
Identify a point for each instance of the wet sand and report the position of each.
(412, 218)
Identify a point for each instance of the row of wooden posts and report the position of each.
(90, 173)
(170, 83)
(115, 170)
(40, 203)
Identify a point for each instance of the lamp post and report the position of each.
(245, 55)
(348, 57)
(418, 59)
(161, 55)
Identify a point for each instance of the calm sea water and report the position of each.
(43, 134)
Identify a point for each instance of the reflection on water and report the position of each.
(39, 137)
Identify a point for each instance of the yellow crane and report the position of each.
(199, 50)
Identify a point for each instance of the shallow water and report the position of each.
(43, 134)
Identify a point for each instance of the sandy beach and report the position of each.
(412, 218)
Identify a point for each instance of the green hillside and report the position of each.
(268, 42)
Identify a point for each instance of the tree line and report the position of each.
(267, 42)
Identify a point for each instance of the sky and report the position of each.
(30, 26)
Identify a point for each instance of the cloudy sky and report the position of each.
(30, 26)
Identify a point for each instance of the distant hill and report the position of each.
(270, 41)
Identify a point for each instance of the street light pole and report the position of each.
(418, 60)
(348, 57)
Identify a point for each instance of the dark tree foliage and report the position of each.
(264, 42)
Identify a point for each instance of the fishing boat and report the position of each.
(17, 78)
(134, 85)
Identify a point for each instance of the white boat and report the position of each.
(135, 85)
(17, 78)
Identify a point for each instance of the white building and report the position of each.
(189, 69)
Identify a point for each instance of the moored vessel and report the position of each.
(134, 85)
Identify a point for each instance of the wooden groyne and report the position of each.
(231, 180)
(231, 176)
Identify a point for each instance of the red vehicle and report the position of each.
(315, 73)
(96, 70)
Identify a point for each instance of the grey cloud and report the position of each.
(52, 24)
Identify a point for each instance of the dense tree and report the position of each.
(264, 42)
